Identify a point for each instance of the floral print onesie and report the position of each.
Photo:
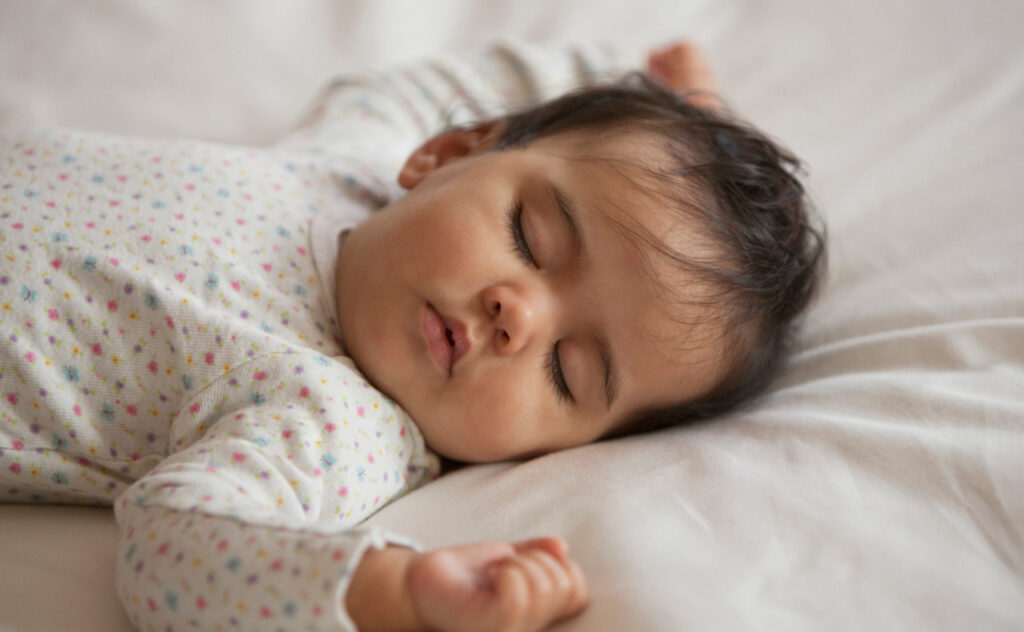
(168, 342)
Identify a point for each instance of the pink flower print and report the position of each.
(194, 408)
(329, 427)
(15, 468)
(209, 357)
(112, 306)
(238, 457)
(236, 286)
(260, 375)
(114, 261)
(343, 492)
(53, 314)
(200, 603)
(146, 239)
(17, 445)
(56, 263)
(180, 276)
(132, 409)
(77, 409)
(361, 411)
(11, 397)
(152, 366)
(170, 322)
(30, 356)
(304, 391)
(97, 349)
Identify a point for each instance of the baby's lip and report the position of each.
(458, 335)
(446, 337)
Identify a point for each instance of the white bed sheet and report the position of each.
(880, 485)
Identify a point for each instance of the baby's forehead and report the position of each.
(630, 178)
(649, 181)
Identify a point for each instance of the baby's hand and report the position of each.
(521, 586)
(683, 66)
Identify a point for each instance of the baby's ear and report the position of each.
(446, 147)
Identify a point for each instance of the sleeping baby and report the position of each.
(248, 351)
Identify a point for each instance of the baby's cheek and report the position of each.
(505, 416)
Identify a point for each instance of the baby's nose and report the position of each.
(516, 315)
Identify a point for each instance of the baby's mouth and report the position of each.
(446, 337)
(458, 339)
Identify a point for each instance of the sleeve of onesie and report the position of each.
(371, 122)
(251, 522)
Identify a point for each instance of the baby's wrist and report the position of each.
(378, 598)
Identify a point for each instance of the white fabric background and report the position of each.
(880, 485)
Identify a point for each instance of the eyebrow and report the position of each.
(569, 209)
(567, 205)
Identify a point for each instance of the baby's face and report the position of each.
(501, 305)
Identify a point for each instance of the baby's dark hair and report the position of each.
(742, 188)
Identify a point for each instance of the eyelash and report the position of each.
(515, 229)
(554, 366)
(552, 363)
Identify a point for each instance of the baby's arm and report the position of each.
(252, 521)
(476, 587)
(370, 122)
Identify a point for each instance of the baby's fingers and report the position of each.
(535, 589)
(565, 574)
(568, 588)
